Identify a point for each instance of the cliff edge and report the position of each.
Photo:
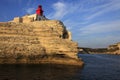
(24, 40)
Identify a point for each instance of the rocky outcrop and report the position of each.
(114, 49)
(92, 50)
(24, 40)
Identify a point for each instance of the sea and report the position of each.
(96, 67)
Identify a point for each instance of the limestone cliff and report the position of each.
(32, 41)
(114, 49)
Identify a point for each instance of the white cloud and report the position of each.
(30, 10)
(72, 25)
(98, 42)
(105, 8)
(101, 27)
(62, 9)
(30, 6)
(84, 13)
(98, 35)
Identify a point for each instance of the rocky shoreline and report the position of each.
(111, 49)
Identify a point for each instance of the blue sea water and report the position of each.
(100, 67)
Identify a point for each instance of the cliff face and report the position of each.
(37, 42)
(114, 49)
(55, 38)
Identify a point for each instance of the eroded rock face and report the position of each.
(54, 37)
(114, 49)
(37, 42)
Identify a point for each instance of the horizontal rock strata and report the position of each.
(37, 42)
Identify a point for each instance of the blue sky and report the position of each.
(93, 23)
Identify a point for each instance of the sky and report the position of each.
(93, 23)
